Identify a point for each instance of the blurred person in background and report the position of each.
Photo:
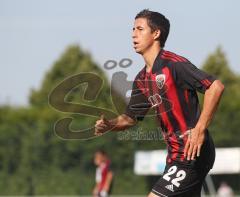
(104, 174)
(225, 190)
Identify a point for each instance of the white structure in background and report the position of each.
(153, 162)
(227, 161)
(150, 162)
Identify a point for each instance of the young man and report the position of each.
(104, 175)
(168, 83)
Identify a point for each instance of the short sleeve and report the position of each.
(138, 105)
(190, 77)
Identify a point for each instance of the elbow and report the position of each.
(128, 121)
(219, 86)
(132, 122)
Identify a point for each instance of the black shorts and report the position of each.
(180, 180)
(185, 179)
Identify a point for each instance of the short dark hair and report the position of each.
(156, 21)
(101, 151)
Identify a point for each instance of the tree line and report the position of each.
(36, 161)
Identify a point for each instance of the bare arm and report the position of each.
(120, 123)
(95, 190)
(211, 99)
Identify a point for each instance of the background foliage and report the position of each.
(34, 161)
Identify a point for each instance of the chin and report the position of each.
(138, 51)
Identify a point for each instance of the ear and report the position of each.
(157, 34)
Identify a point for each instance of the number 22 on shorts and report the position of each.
(180, 175)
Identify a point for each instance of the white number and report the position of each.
(179, 176)
(171, 171)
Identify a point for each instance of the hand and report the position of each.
(95, 192)
(194, 143)
(102, 126)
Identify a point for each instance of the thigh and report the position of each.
(152, 195)
(179, 180)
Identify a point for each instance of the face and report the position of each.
(143, 37)
(98, 158)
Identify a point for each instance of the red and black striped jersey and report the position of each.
(101, 174)
(171, 89)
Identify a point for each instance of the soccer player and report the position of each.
(169, 83)
(104, 175)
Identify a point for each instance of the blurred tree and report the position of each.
(225, 126)
(34, 161)
(72, 62)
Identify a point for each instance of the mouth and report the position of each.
(135, 44)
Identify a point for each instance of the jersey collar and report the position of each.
(157, 62)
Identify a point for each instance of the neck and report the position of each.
(150, 55)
